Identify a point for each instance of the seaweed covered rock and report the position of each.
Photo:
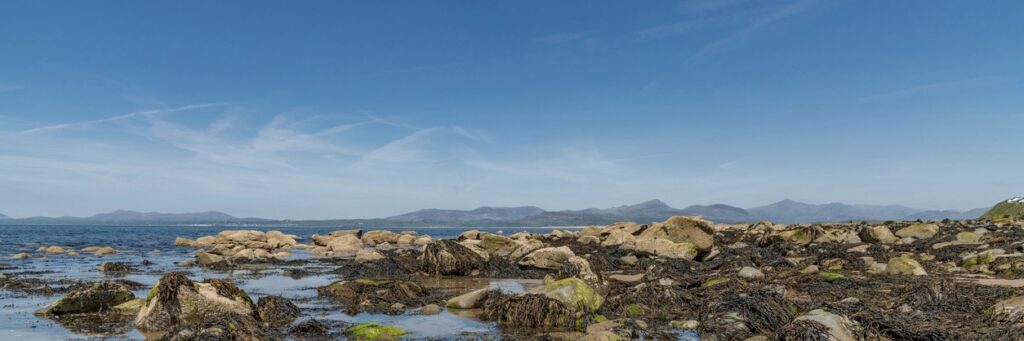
(679, 229)
(93, 298)
(310, 329)
(225, 326)
(374, 332)
(276, 310)
(178, 300)
(551, 258)
(115, 268)
(529, 311)
(375, 295)
(566, 304)
(448, 257)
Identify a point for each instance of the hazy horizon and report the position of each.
(362, 110)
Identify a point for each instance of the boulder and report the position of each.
(572, 292)
(94, 298)
(919, 231)
(354, 232)
(447, 257)
(525, 247)
(666, 248)
(204, 241)
(276, 311)
(904, 265)
(106, 250)
(551, 258)
(242, 235)
(177, 300)
(209, 259)
(679, 229)
(430, 309)
(1008, 310)
(52, 250)
(183, 241)
(496, 245)
(379, 236)
(580, 267)
(750, 272)
(840, 327)
(878, 234)
(345, 245)
(469, 300)
(276, 239)
(619, 237)
(365, 256)
(21, 255)
(405, 239)
(589, 239)
(470, 235)
(422, 240)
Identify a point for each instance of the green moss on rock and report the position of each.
(373, 332)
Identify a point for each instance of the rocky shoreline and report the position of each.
(684, 278)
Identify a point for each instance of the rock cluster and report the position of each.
(348, 243)
(247, 244)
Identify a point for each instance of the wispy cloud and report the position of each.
(737, 37)
(560, 38)
(933, 88)
(5, 87)
(131, 115)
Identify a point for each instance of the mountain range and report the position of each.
(785, 211)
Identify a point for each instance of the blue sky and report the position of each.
(372, 108)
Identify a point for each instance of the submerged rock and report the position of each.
(178, 300)
(276, 310)
(115, 268)
(374, 332)
(21, 255)
(448, 257)
(94, 298)
(469, 300)
(371, 294)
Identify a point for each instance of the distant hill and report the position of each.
(790, 212)
(123, 217)
(482, 213)
(948, 214)
(657, 210)
(785, 211)
(1012, 208)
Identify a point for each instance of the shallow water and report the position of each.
(136, 244)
